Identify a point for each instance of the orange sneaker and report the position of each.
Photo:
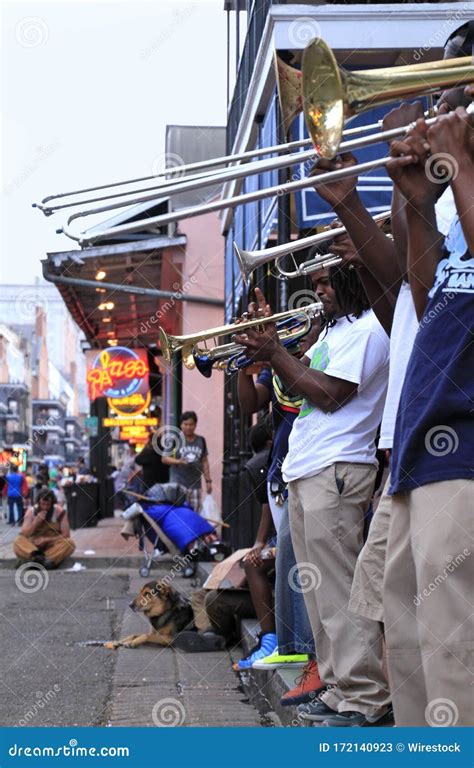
(308, 686)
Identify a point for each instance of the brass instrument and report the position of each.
(288, 81)
(290, 86)
(330, 95)
(250, 260)
(194, 354)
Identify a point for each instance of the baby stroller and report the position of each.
(163, 518)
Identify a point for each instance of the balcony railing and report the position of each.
(246, 66)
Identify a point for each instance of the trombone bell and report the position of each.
(331, 94)
(290, 95)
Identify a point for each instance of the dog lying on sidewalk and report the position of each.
(172, 620)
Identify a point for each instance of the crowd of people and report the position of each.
(379, 613)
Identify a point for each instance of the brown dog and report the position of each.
(168, 612)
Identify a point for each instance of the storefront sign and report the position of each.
(131, 422)
(140, 433)
(118, 372)
(132, 405)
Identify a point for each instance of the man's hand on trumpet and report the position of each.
(259, 343)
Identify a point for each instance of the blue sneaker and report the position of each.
(268, 643)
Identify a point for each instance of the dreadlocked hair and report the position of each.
(350, 294)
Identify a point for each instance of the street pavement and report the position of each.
(51, 677)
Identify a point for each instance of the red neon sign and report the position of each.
(116, 373)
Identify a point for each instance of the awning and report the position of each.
(120, 293)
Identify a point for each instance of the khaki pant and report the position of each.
(327, 523)
(367, 587)
(427, 604)
(57, 551)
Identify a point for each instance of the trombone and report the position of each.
(287, 78)
(330, 95)
(291, 325)
(249, 260)
(290, 86)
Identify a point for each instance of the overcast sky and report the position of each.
(87, 90)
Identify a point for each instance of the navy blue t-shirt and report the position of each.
(285, 409)
(434, 438)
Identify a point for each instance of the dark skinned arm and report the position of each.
(325, 392)
(408, 171)
(381, 301)
(252, 396)
(453, 135)
(375, 249)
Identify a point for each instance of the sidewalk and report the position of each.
(104, 545)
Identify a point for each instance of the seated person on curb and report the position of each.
(257, 570)
(45, 536)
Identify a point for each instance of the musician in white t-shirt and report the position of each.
(330, 469)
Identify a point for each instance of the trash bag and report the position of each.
(211, 511)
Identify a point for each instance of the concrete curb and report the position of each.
(91, 562)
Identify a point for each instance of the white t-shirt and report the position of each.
(356, 351)
(404, 329)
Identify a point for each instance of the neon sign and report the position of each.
(118, 372)
(132, 405)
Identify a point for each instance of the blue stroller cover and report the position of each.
(181, 524)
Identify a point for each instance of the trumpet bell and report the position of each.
(290, 95)
(170, 344)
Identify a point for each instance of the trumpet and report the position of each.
(195, 355)
(249, 260)
(234, 357)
